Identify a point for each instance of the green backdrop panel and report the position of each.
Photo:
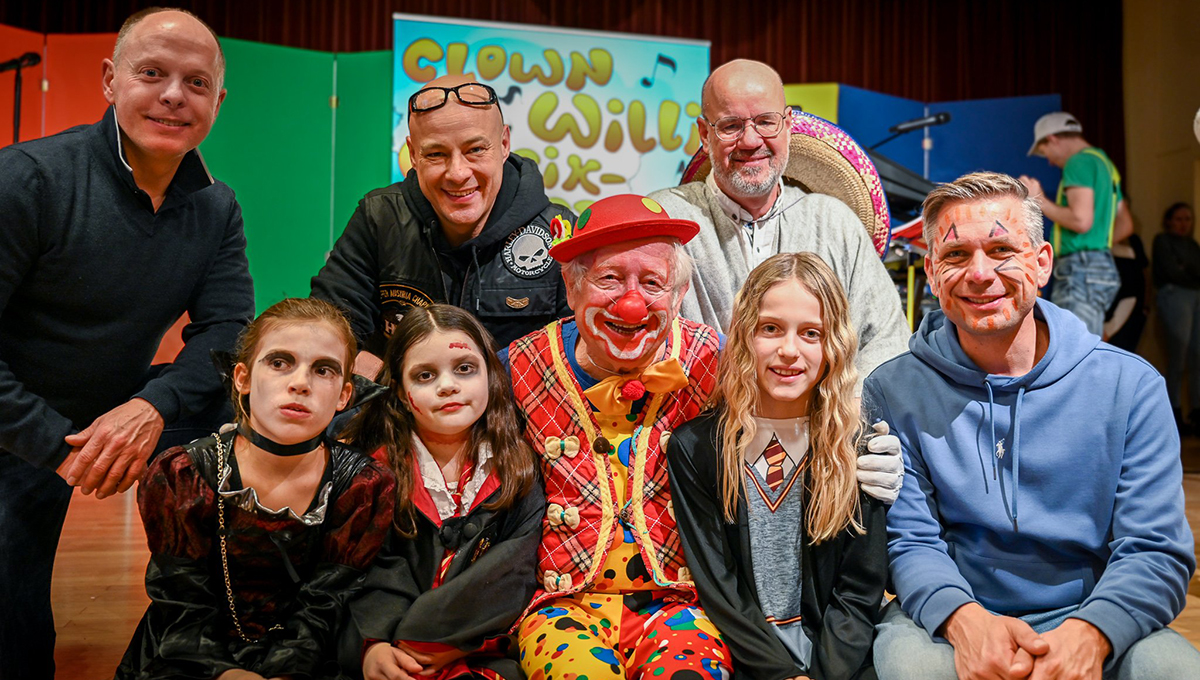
(362, 152)
(272, 145)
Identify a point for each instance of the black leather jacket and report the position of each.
(393, 255)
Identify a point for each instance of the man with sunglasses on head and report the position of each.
(470, 226)
(748, 212)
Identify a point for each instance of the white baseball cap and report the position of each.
(1052, 124)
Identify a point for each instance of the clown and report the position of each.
(602, 393)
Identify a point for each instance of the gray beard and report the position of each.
(748, 186)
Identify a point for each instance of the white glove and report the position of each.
(881, 471)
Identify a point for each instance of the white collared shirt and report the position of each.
(759, 238)
(793, 437)
(440, 490)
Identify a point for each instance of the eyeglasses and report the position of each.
(470, 94)
(731, 128)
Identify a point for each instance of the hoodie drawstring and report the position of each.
(992, 422)
(1016, 450)
(1016, 446)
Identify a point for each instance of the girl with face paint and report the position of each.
(258, 534)
(458, 569)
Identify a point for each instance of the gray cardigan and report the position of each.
(814, 223)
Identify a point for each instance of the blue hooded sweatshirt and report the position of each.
(1057, 488)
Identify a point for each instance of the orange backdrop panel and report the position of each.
(16, 42)
(73, 68)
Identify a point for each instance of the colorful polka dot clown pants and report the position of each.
(635, 635)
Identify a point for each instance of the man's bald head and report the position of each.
(167, 14)
(451, 80)
(748, 163)
(458, 152)
(742, 79)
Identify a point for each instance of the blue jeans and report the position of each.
(33, 505)
(1180, 311)
(904, 651)
(1085, 283)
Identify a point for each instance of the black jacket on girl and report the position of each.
(842, 584)
(461, 582)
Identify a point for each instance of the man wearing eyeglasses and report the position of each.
(470, 226)
(748, 212)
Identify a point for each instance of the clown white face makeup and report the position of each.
(297, 381)
(445, 383)
(624, 305)
(983, 267)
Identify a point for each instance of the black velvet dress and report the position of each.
(290, 574)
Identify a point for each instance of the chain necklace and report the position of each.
(237, 624)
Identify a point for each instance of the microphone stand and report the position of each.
(17, 104)
(15, 65)
(876, 145)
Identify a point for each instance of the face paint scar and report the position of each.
(998, 229)
(412, 403)
(459, 345)
(952, 230)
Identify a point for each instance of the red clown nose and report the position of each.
(631, 307)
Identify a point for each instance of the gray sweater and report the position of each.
(814, 223)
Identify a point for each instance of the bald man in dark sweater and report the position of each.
(108, 233)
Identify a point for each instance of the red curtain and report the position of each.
(929, 50)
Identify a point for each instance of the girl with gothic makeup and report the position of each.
(458, 569)
(258, 534)
(789, 558)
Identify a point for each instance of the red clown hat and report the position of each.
(616, 219)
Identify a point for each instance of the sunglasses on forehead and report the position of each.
(469, 94)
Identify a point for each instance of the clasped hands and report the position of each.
(401, 662)
(109, 455)
(987, 646)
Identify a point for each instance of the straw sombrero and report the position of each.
(823, 159)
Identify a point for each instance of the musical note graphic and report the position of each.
(513, 91)
(665, 61)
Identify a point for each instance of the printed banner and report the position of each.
(600, 113)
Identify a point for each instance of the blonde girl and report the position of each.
(788, 556)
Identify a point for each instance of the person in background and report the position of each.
(1089, 214)
(1126, 316)
(1176, 267)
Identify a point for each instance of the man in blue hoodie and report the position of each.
(1041, 530)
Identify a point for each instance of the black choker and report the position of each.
(274, 447)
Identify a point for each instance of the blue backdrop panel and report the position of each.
(867, 116)
(991, 134)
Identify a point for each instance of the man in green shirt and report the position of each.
(1089, 214)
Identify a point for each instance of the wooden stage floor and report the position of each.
(99, 595)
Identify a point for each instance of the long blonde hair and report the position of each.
(835, 424)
